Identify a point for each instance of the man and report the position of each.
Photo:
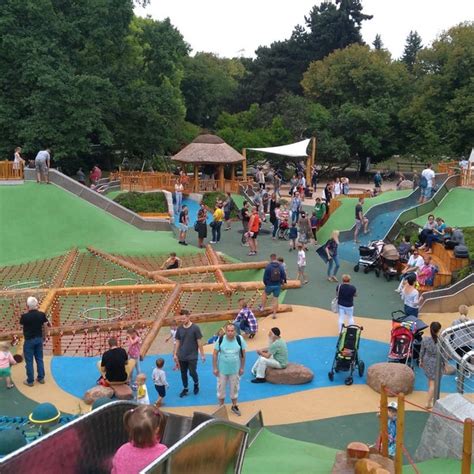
(378, 182)
(414, 264)
(81, 176)
(188, 343)
(114, 361)
(183, 224)
(245, 321)
(275, 356)
(273, 277)
(228, 361)
(360, 219)
(427, 181)
(245, 216)
(42, 164)
(319, 211)
(33, 324)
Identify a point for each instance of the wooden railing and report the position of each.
(8, 172)
(448, 167)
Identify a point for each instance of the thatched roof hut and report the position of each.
(208, 149)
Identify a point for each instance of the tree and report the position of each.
(377, 43)
(413, 46)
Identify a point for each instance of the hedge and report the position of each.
(143, 202)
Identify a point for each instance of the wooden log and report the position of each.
(48, 301)
(23, 293)
(225, 267)
(60, 278)
(155, 328)
(220, 277)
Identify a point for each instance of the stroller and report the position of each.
(369, 256)
(388, 262)
(283, 230)
(347, 353)
(405, 339)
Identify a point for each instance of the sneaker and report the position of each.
(235, 409)
(183, 393)
(25, 382)
(184, 243)
(42, 382)
(213, 242)
(179, 242)
(257, 380)
(196, 389)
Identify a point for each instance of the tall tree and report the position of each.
(377, 43)
(413, 46)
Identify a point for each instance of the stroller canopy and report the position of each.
(390, 252)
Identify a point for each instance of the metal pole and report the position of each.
(438, 375)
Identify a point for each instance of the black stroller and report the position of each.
(347, 353)
(388, 262)
(369, 256)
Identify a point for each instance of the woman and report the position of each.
(295, 207)
(345, 186)
(427, 229)
(410, 296)
(178, 195)
(216, 224)
(274, 205)
(201, 225)
(254, 228)
(438, 234)
(331, 252)
(337, 187)
(345, 300)
(428, 359)
(328, 193)
(425, 273)
(227, 206)
(18, 161)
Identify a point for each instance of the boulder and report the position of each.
(292, 374)
(398, 378)
(369, 466)
(357, 450)
(406, 184)
(97, 392)
(122, 391)
(374, 464)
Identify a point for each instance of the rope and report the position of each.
(410, 459)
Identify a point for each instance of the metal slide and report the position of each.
(88, 444)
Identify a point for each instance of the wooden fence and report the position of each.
(8, 172)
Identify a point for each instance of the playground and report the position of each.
(96, 276)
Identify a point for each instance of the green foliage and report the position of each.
(143, 202)
(377, 43)
(210, 199)
(413, 46)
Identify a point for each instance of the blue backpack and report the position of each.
(423, 182)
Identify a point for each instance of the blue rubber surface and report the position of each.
(193, 208)
(77, 374)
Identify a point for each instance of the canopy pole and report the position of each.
(221, 178)
(196, 178)
(308, 170)
(232, 172)
(244, 164)
(313, 151)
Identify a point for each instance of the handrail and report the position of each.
(10, 170)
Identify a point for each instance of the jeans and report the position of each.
(294, 216)
(33, 348)
(242, 326)
(179, 201)
(333, 266)
(276, 224)
(216, 231)
(190, 365)
(245, 226)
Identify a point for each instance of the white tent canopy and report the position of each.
(471, 158)
(294, 150)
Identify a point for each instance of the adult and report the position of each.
(228, 361)
(304, 229)
(178, 195)
(427, 229)
(216, 224)
(320, 210)
(254, 228)
(295, 207)
(328, 193)
(114, 361)
(302, 186)
(42, 165)
(246, 321)
(415, 262)
(345, 300)
(95, 175)
(337, 187)
(33, 323)
(274, 277)
(378, 182)
(274, 356)
(277, 184)
(274, 215)
(183, 225)
(245, 217)
(81, 176)
(201, 225)
(437, 235)
(427, 181)
(463, 164)
(260, 177)
(293, 184)
(345, 185)
(18, 161)
(227, 207)
(314, 178)
(330, 249)
(410, 296)
(188, 344)
(360, 219)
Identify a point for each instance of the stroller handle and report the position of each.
(398, 318)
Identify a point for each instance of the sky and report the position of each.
(232, 28)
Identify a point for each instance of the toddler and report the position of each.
(142, 391)
(281, 260)
(145, 426)
(293, 236)
(301, 262)
(6, 361)
(134, 345)
(159, 379)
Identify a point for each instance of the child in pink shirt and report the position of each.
(145, 426)
(6, 360)
(134, 346)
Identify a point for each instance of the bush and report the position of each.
(143, 202)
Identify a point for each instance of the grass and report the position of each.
(143, 202)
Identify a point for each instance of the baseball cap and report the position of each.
(393, 405)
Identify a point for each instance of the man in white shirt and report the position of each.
(415, 262)
(464, 164)
(427, 182)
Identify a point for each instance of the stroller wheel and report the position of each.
(377, 272)
(361, 368)
(356, 268)
(331, 376)
(366, 270)
(387, 277)
(348, 381)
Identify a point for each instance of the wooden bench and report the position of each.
(447, 256)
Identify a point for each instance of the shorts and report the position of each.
(301, 268)
(358, 224)
(41, 166)
(183, 227)
(273, 289)
(6, 372)
(426, 192)
(234, 385)
(254, 235)
(161, 389)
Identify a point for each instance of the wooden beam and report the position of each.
(225, 267)
(61, 276)
(313, 151)
(220, 277)
(25, 293)
(244, 164)
(221, 178)
(196, 179)
(48, 301)
(155, 328)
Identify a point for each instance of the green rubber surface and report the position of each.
(44, 221)
(457, 209)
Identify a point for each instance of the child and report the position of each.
(145, 426)
(216, 336)
(245, 320)
(314, 226)
(281, 260)
(293, 236)
(142, 391)
(6, 361)
(171, 262)
(301, 262)
(134, 344)
(392, 409)
(159, 379)
(173, 329)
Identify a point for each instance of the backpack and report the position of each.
(239, 342)
(275, 274)
(423, 182)
(461, 251)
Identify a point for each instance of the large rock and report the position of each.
(406, 184)
(398, 378)
(293, 374)
(374, 464)
(97, 392)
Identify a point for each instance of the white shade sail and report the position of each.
(294, 150)
(471, 158)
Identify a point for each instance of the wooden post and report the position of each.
(313, 151)
(232, 172)
(56, 322)
(244, 164)
(196, 178)
(308, 170)
(221, 178)
(400, 429)
(383, 422)
(467, 447)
